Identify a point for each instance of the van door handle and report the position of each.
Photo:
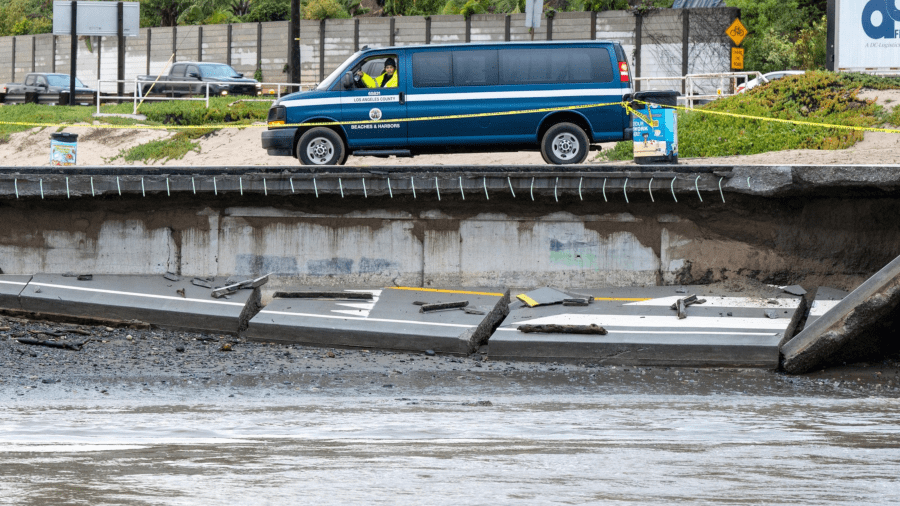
(402, 98)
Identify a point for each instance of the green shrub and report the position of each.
(268, 10)
(173, 148)
(324, 9)
(622, 151)
(817, 97)
(33, 113)
(178, 112)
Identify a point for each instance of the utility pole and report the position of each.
(74, 48)
(294, 43)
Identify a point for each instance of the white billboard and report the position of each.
(96, 18)
(867, 37)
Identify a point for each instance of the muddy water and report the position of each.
(290, 448)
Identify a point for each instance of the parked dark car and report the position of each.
(42, 83)
(223, 79)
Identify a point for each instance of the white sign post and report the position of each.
(97, 18)
(533, 11)
(121, 19)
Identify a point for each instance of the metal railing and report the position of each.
(696, 85)
(275, 91)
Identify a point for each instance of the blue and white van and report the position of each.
(458, 98)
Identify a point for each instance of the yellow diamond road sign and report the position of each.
(737, 31)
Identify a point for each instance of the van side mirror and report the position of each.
(347, 81)
(193, 75)
(240, 75)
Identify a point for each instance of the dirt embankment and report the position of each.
(242, 146)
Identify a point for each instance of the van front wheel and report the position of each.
(321, 146)
(564, 144)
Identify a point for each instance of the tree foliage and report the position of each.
(783, 34)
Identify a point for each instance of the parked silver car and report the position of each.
(765, 78)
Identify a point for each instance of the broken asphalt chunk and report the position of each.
(201, 282)
(794, 290)
(542, 297)
(564, 329)
(323, 295)
(172, 277)
(427, 308)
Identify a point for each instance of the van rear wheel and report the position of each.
(321, 146)
(564, 144)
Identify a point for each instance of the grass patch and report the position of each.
(173, 148)
(34, 113)
(178, 112)
(622, 151)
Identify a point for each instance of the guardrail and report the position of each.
(274, 92)
(694, 84)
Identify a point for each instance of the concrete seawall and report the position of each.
(488, 226)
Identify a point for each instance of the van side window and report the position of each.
(475, 68)
(178, 71)
(555, 66)
(29, 80)
(431, 69)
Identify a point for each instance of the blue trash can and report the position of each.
(655, 127)
(63, 148)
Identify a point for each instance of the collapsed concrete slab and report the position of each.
(845, 322)
(152, 299)
(391, 320)
(642, 329)
(10, 288)
(824, 301)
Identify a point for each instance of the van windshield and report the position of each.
(338, 72)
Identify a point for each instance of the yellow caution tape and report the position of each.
(779, 120)
(280, 124)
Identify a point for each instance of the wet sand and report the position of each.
(121, 362)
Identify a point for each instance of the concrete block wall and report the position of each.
(109, 69)
(6, 59)
(409, 30)
(43, 54)
(244, 57)
(518, 32)
(215, 43)
(338, 42)
(309, 51)
(160, 49)
(448, 29)
(488, 28)
(274, 52)
(571, 26)
(63, 58)
(22, 56)
(187, 37)
(660, 53)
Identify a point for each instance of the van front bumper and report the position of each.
(279, 142)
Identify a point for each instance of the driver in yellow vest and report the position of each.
(386, 80)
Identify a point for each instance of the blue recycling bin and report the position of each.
(655, 127)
